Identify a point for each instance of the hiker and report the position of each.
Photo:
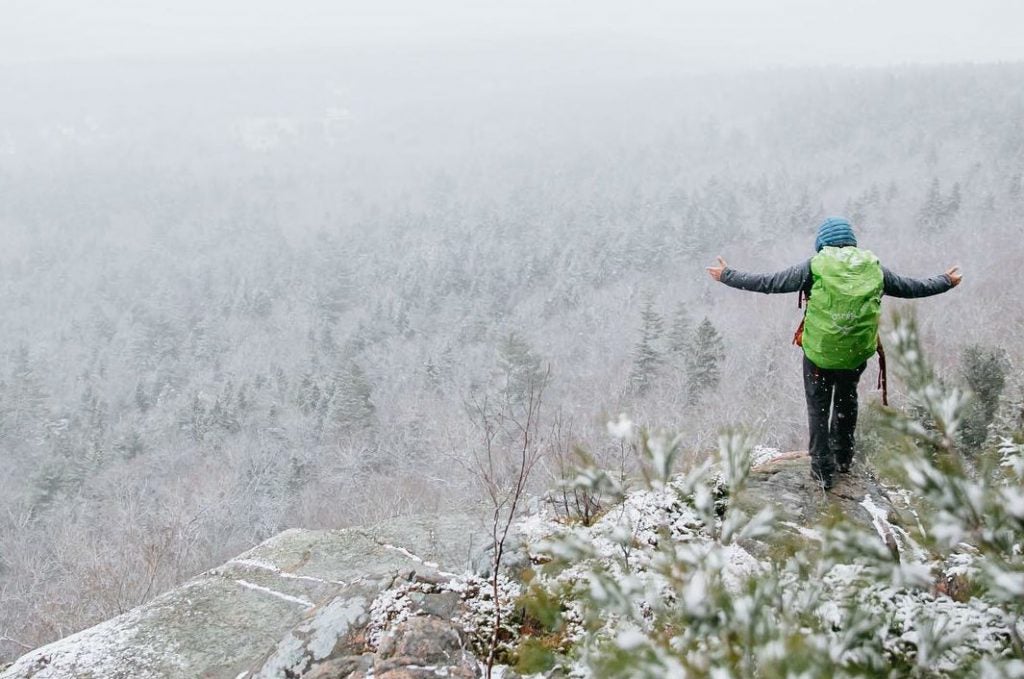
(843, 286)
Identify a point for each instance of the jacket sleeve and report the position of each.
(788, 280)
(901, 286)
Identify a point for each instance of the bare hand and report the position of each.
(955, 275)
(716, 271)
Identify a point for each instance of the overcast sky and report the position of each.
(701, 33)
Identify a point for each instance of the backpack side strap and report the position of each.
(798, 336)
(883, 382)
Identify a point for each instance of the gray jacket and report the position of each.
(798, 277)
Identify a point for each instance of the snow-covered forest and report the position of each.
(241, 297)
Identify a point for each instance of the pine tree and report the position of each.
(432, 373)
(892, 192)
(142, 401)
(520, 370)
(932, 214)
(680, 333)
(952, 206)
(222, 414)
(24, 399)
(802, 213)
(702, 367)
(308, 393)
(195, 418)
(351, 408)
(646, 358)
(984, 370)
(873, 196)
(131, 445)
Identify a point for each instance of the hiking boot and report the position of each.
(824, 480)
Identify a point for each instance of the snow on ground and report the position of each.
(887, 531)
(395, 605)
(100, 652)
(763, 455)
(623, 544)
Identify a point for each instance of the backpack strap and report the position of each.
(801, 299)
(883, 382)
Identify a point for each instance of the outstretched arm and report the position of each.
(902, 286)
(788, 280)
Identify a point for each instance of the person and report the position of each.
(843, 286)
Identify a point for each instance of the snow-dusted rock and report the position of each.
(286, 603)
(331, 631)
(403, 600)
(782, 479)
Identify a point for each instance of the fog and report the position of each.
(261, 267)
(691, 34)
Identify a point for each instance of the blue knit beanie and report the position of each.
(834, 231)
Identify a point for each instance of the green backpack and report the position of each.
(840, 328)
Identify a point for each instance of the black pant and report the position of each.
(831, 415)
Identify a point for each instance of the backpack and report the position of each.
(840, 326)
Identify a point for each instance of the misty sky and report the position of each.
(722, 33)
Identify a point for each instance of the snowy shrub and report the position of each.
(475, 618)
(665, 583)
